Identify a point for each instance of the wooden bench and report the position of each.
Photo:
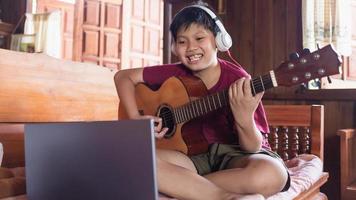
(37, 88)
(295, 130)
(347, 163)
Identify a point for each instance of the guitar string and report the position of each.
(194, 104)
(193, 110)
(193, 107)
(261, 83)
(265, 80)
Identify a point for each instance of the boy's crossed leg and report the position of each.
(177, 177)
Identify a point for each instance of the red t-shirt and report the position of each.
(217, 126)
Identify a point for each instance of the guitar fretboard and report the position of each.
(218, 100)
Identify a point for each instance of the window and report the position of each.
(330, 22)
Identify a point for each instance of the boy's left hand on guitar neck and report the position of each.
(242, 102)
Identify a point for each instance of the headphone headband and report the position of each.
(223, 39)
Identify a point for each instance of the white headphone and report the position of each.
(222, 39)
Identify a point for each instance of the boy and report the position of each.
(238, 164)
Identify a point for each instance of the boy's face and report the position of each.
(195, 47)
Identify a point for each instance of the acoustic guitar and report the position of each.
(180, 101)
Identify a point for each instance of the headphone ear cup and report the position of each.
(223, 41)
(219, 43)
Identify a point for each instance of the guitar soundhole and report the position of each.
(166, 113)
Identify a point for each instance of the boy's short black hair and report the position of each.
(190, 15)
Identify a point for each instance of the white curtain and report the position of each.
(47, 28)
(327, 22)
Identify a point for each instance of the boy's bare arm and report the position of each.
(125, 82)
(250, 138)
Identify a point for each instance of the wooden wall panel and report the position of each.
(90, 43)
(137, 39)
(138, 10)
(113, 16)
(263, 37)
(153, 16)
(12, 11)
(243, 35)
(91, 13)
(111, 34)
(293, 26)
(111, 45)
(279, 28)
(135, 62)
(146, 33)
(153, 42)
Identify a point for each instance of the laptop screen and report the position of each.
(90, 160)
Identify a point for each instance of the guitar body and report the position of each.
(174, 92)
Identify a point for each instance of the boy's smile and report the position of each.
(195, 57)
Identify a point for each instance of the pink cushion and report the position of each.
(304, 171)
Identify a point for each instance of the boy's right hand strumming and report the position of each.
(159, 131)
(125, 82)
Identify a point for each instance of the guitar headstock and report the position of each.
(320, 63)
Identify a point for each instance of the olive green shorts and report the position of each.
(219, 156)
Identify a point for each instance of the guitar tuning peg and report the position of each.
(329, 79)
(316, 83)
(301, 89)
(293, 56)
(305, 51)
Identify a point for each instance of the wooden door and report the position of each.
(67, 25)
(143, 34)
(98, 32)
(119, 33)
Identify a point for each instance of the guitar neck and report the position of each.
(220, 99)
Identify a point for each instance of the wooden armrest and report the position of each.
(314, 189)
(346, 133)
(347, 166)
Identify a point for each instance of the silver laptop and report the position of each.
(91, 160)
